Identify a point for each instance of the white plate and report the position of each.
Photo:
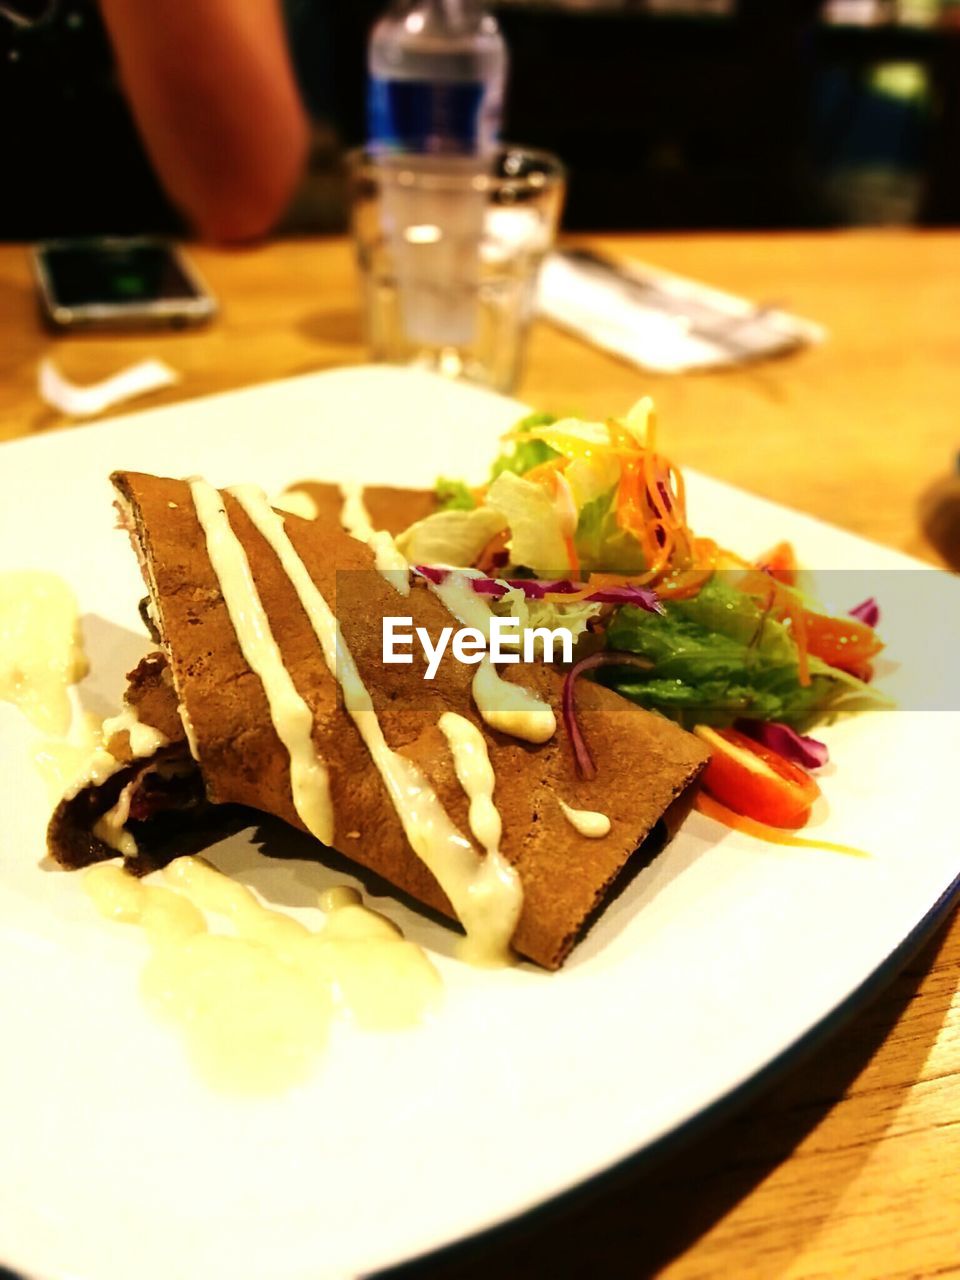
(720, 956)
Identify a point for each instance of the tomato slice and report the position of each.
(845, 643)
(753, 780)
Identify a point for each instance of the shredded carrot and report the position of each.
(798, 626)
(711, 808)
(572, 557)
(675, 486)
(665, 527)
(630, 514)
(658, 505)
(680, 489)
(784, 605)
(650, 504)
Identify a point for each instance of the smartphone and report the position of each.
(119, 283)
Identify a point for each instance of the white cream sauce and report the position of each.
(98, 768)
(256, 1005)
(510, 708)
(144, 740)
(110, 827)
(387, 558)
(587, 822)
(82, 759)
(298, 502)
(292, 718)
(61, 762)
(41, 653)
(500, 884)
(486, 911)
(475, 774)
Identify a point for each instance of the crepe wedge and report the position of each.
(234, 755)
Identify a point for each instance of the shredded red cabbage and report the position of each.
(606, 657)
(793, 746)
(868, 612)
(536, 589)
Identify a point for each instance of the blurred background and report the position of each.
(670, 113)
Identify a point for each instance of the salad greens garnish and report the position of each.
(454, 495)
(528, 452)
(715, 659)
(592, 511)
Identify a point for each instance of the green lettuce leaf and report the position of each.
(536, 540)
(524, 455)
(717, 657)
(602, 546)
(453, 495)
(450, 537)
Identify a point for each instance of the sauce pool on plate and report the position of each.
(255, 1005)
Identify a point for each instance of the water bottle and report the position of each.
(437, 74)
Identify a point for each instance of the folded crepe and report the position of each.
(160, 796)
(232, 754)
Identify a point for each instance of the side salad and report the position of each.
(584, 525)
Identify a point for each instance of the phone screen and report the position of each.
(87, 275)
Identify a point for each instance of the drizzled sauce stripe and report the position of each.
(508, 707)
(497, 887)
(387, 558)
(292, 718)
(475, 774)
(485, 903)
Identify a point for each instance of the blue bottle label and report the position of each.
(427, 117)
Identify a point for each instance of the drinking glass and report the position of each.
(448, 250)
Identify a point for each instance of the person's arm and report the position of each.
(214, 97)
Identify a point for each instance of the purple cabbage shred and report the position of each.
(867, 612)
(536, 589)
(795, 747)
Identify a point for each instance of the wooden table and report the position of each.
(849, 1165)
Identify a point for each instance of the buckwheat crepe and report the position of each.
(646, 763)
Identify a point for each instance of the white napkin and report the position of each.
(86, 402)
(662, 321)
